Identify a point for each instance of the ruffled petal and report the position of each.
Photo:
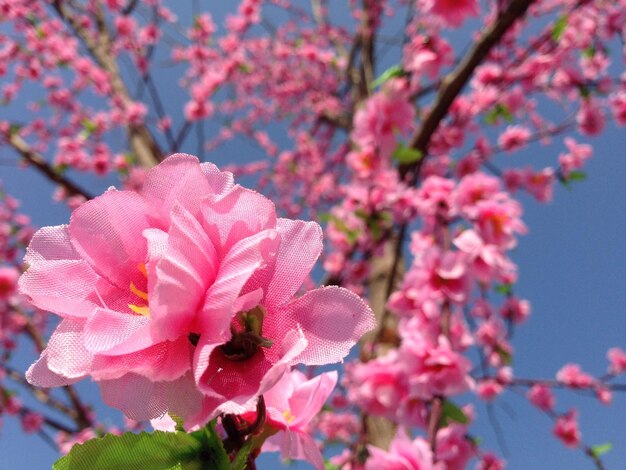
(236, 215)
(235, 269)
(114, 333)
(40, 375)
(179, 179)
(300, 246)
(66, 352)
(183, 274)
(107, 232)
(308, 399)
(50, 243)
(332, 319)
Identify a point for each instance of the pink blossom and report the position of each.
(453, 449)
(541, 396)
(31, 422)
(517, 310)
(572, 376)
(617, 358)
(489, 461)
(184, 291)
(8, 281)
(576, 156)
(513, 138)
(434, 369)
(566, 429)
(404, 453)
(489, 389)
(590, 118)
(291, 406)
(452, 12)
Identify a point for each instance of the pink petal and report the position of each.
(65, 287)
(164, 361)
(183, 275)
(138, 398)
(115, 333)
(236, 215)
(300, 246)
(66, 353)
(220, 181)
(309, 397)
(332, 319)
(235, 270)
(107, 232)
(297, 446)
(50, 243)
(40, 375)
(178, 179)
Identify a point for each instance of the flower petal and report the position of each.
(115, 333)
(68, 337)
(180, 179)
(332, 319)
(107, 232)
(236, 215)
(183, 274)
(300, 246)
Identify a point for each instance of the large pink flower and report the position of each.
(180, 297)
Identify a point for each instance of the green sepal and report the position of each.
(601, 449)
(559, 27)
(406, 155)
(391, 72)
(451, 412)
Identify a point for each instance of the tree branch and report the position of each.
(37, 161)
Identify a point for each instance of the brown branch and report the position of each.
(454, 82)
(142, 143)
(37, 161)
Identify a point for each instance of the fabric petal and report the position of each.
(183, 274)
(40, 375)
(177, 179)
(107, 232)
(235, 269)
(50, 243)
(236, 215)
(138, 398)
(308, 399)
(67, 355)
(332, 319)
(115, 333)
(220, 181)
(300, 246)
(64, 287)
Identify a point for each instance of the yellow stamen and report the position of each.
(145, 311)
(142, 269)
(288, 416)
(137, 292)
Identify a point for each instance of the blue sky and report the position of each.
(572, 268)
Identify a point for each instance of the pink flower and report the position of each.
(452, 12)
(403, 454)
(8, 281)
(617, 357)
(180, 297)
(573, 376)
(291, 406)
(566, 429)
(541, 396)
(513, 138)
(31, 422)
(435, 369)
(576, 156)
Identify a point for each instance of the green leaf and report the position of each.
(391, 72)
(505, 355)
(451, 412)
(589, 52)
(559, 27)
(406, 155)
(241, 459)
(159, 450)
(330, 466)
(601, 449)
(577, 176)
(498, 111)
(212, 455)
(504, 289)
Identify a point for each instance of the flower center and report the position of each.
(143, 296)
(247, 336)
